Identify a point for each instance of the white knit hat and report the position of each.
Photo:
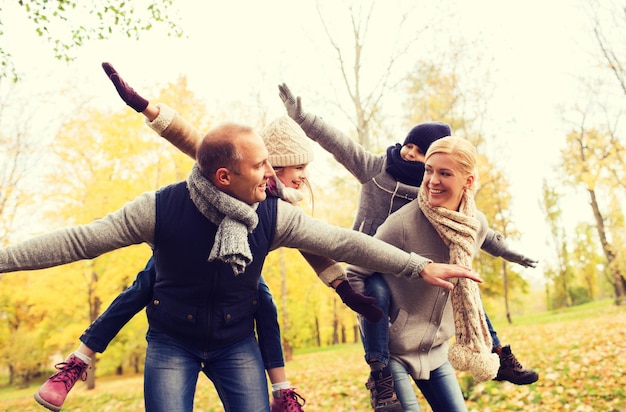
(286, 143)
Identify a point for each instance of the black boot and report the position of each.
(511, 370)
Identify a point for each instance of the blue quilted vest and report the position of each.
(203, 304)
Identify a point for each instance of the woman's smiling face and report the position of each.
(445, 182)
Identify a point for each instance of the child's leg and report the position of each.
(268, 329)
(375, 339)
(284, 398)
(126, 305)
(96, 338)
(494, 335)
(375, 336)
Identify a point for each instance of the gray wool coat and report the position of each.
(422, 320)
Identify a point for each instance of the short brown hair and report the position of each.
(218, 149)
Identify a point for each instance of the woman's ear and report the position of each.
(469, 182)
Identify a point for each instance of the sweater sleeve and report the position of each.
(134, 223)
(327, 269)
(176, 130)
(495, 244)
(360, 163)
(295, 229)
(391, 232)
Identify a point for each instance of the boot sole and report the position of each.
(46, 404)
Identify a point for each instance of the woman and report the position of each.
(444, 225)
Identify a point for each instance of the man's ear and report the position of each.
(222, 176)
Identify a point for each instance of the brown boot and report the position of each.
(511, 370)
(382, 391)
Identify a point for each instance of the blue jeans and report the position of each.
(126, 305)
(268, 329)
(442, 390)
(494, 336)
(375, 336)
(171, 374)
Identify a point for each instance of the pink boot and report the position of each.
(53, 392)
(288, 401)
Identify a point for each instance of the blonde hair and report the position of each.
(462, 151)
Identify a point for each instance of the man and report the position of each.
(210, 236)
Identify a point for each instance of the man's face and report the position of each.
(249, 178)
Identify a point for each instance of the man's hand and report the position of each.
(436, 274)
(292, 104)
(126, 92)
(365, 305)
(520, 259)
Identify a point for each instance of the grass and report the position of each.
(580, 354)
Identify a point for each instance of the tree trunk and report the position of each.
(318, 339)
(618, 282)
(94, 312)
(287, 349)
(335, 324)
(505, 282)
(91, 373)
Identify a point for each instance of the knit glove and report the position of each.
(126, 92)
(293, 105)
(520, 259)
(364, 305)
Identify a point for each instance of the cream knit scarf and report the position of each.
(458, 230)
(234, 219)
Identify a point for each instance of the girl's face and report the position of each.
(412, 153)
(444, 182)
(293, 176)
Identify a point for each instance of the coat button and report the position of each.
(229, 316)
(189, 317)
(155, 302)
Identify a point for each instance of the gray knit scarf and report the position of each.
(234, 218)
(459, 231)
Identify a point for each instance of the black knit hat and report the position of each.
(424, 134)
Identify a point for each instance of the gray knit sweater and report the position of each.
(421, 315)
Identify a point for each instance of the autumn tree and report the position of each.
(609, 28)
(589, 160)
(68, 24)
(100, 161)
(559, 274)
(367, 72)
(587, 264)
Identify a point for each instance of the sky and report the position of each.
(234, 50)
